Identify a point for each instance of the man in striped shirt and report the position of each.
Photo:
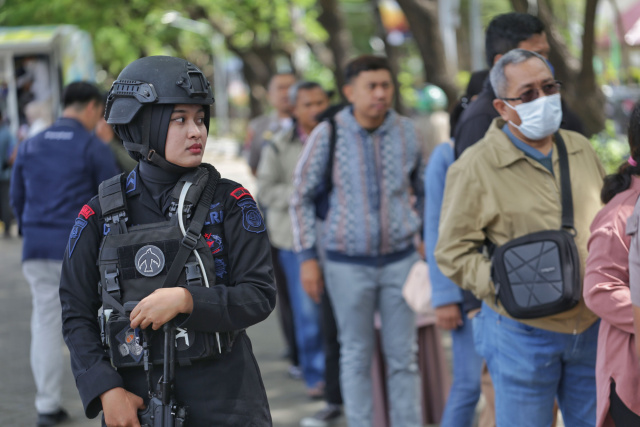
(368, 236)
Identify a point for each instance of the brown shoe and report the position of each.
(317, 391)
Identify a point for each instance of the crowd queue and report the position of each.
(532, 253)
(527, 244)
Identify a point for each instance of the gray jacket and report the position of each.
(275, 185)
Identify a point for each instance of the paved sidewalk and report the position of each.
(17, 390)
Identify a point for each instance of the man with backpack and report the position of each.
(275, 175)
(368, 236)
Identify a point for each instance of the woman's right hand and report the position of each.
(121, 408)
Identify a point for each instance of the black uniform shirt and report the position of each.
(240, 246)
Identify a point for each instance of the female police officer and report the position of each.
(172, 243)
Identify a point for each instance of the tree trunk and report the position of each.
(339, 40)
(589, 99)
(257, 74)
(258, 60)
(520, 6)
(422, 16)
(624, 46)
(392, 55)
(581, 91)
(565, 64)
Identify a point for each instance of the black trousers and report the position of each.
(332, 392)
(6, 214)
(621, 415)
(284, 309)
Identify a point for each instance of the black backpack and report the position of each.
(321, 199)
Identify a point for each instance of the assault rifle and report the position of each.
(163, 410)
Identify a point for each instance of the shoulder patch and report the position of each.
(216, 215)
(79, 225)
(238, 193)
(132, 181)
(221, 267)
(251, 218)
(215, 243)
(86, 212)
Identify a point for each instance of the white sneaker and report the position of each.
(324, 417)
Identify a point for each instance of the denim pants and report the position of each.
(47, 362)
(467, 374)
(306, 321)
(357, 292)
(530, 367)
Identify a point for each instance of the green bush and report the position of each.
(612, 149)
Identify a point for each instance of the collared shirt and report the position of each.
(607, 292)
(275, 185)
(302, 136)
(55, 173)
(444, 291)
(494, 191)
(261, 130)
(545, 160)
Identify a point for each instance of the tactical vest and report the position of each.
(136, 260)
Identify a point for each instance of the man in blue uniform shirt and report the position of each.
(54, 174)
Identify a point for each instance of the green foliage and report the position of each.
(317, 72)
(611, 150)
(462, 79)
(119, 28)
(407, 88)
(491, 8)
(359, 19)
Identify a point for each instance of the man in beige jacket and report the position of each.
(506, 186)
(275, 186)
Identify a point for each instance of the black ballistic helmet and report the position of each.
(141, 100)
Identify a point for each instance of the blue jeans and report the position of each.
(306, 321)
(357, 292)
(467, 372)
(530, 367)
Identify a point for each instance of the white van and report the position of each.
(36, 62)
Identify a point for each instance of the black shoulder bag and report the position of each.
(538, 274)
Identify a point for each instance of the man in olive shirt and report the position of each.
(506, 186)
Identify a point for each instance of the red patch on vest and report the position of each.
(86, 212)
(240, 192)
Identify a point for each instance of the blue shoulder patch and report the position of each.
(251, 217)
(215, 243)
(132, 181)
(75, 234)
(221, 267)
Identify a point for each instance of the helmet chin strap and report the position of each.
(150, 155)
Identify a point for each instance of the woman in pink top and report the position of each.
(607, 293)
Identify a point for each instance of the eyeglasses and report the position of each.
(533, 94)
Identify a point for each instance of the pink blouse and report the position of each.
(606, 293)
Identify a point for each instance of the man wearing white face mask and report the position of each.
(506, 186)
